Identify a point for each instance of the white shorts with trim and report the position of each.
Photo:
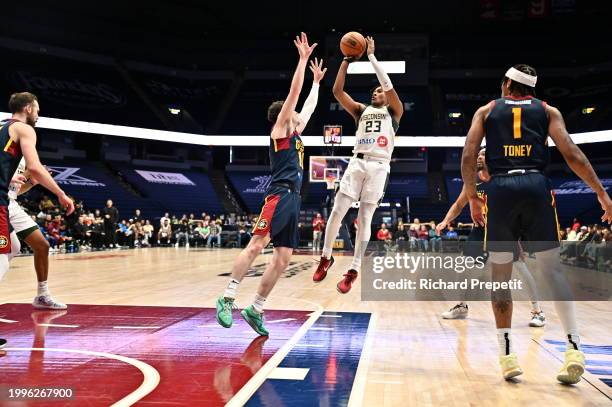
(18, 218)
(365, 179)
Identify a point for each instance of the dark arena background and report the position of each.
(161, 107)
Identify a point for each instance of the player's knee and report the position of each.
(41, 246)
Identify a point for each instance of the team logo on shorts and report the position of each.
(262, 224)
(3, 241)
(382, 141)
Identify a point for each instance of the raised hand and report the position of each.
(371, 47)
(304, 49)
(317, 69)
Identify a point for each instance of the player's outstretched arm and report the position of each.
(395, 104)
(346, 101)
(304, 50)
(27, 141)
(577, 161)
(468, 164)
(318, 72)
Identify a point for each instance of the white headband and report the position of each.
(521, 77)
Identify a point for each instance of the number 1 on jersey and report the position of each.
(516, 112)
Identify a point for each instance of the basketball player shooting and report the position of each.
(278, 221)
(520, 202)
(367, 174)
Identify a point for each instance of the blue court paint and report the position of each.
(332, 360)
(590, 362)
(600, 372)
(591, 350)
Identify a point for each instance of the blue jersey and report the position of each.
(287, 160)
(516, 132)
(10, 156)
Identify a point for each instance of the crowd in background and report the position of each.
(107, 228)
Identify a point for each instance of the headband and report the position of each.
(521, 77)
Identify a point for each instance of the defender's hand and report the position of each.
(304, 49)
(317, 69)
(371, 47)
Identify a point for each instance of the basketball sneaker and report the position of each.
(573, 368)
(2, 343)
(324, 265)
(255, 320)
(510, 366)
(538, 319)
(47, 302)
(344, 286)
(459, 311)
(224, 311)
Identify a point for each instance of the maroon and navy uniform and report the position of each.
(520, 201)
(281, 206)
(10, 156)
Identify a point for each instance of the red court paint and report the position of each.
(198, 365)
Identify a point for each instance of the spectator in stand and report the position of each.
(575, 225)
(98, 236)
(182, 232)
(401, 233)
(434, 239)
(81, 233)
(244, 235)
(451, 234)
(147, 233)
(122, 233)
(164, 235)
(318, 225)
(164, 218)
(46, 204)
(413, 236)
(137, 216)
(111, 217)
(215, 233)
(202, 233)
(423, 235)
(383, 233)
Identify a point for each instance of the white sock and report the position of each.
(4, 265)
(504, 338)
(341, 206)
(258, 303)
(535, 307)
(43, 289)
(366, 212)
(232, 286)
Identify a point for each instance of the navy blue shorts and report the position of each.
(521, 207)
(279, 217)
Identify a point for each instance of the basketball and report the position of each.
(353, 45)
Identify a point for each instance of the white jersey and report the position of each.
(14, 188)
(375, 133)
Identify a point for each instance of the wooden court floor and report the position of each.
(409, 355)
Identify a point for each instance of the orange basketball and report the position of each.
(353, 45)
